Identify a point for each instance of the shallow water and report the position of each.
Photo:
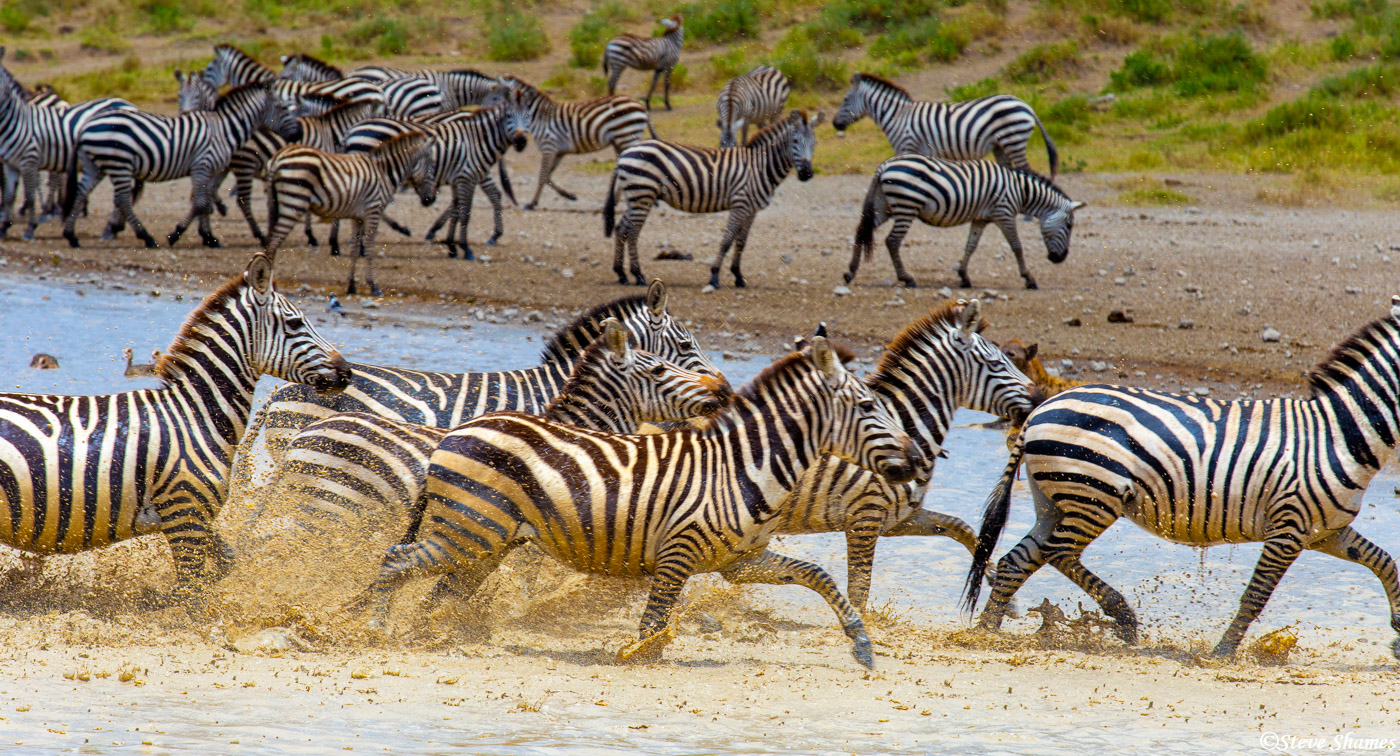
(1179, 592)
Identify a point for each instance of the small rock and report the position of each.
(534, 316)
(1186, 324)
(1192, 289)
(1073, 322)
(1201, 391)
(707, 289)
(1353, 290)
(1098, 366)
(729, 355)
(1316, 244)
(1118, 316)
(826, 252)
(787, 259)
(1067, 364)
(1270, 335)
(509, 312)
(990, 293)
(674, 254)
(1121, 281)
(708, 624)
(567, 273)
(944, 293)
(841, 290)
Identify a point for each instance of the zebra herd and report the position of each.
(312, 108)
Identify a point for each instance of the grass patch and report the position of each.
(722, 22)
(513, 36)
(1194, 66)
(591, 34)
(800, 59)
(1044, 61)
(1152, 192)
(131, 79)
(13, 19)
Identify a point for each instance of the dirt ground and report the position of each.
(1200, 283)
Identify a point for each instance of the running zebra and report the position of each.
(129, 147)
(445, 400)
(324, 132)
(947, 193)
(357, 472)
(576, 128)
(303, 67)
(83, 472)
(758, 98)
(1000, 124)
(706, 180)
(463, 150)
(1289, 473)
(937, 364)
(658, 54)
(304, 179)
(231, 67)
(664, 506)
(194, 93)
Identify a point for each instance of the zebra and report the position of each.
(324, 132)
(358, 468)
(314, 97)
(665, 505)
(303, 67)
(231, 67)
(412, 98)
(939, 363)
(304, 179)
(949, 193)
(37, 135)
(999, 124)
(1289, 473)
(195, 94)
(758, 98)
(75, 471)
(445, 400)
(657, 54)
(461, 87)
(138, 146)
(706, 180)
(462, 153)
(569, 128)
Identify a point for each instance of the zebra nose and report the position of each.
(719, 387)
(339, 379)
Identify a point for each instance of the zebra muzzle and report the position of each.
(335, 379)
(721, 392)
(518, 141)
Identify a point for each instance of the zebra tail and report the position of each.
(1050, 150)
(609, 211)
(869, 219)
(651, 129)
(70, 185)
(993, 521)
(505, 181)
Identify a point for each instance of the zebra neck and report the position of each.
(587, 409)
(1037, 200)
(212, 390)
(1359, 404)
(769, 448)
(925, 416)
(890, 112)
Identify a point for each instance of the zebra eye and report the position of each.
(686, 344)
(294, 324)
(867, 405)
(658, 370)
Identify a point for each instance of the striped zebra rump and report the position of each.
(667, 505)
(412, 98)
(116, 459)
(1289, 473)
(756, 98)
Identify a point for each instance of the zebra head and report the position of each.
(195, 93)
(515, 121)
(853, 106)
(991, 382)
(804, 141)
(673, 23)
(1055, 228)
(282, 342)
(668, 338)
(862, 430)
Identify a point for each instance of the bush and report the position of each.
(588, 38)
(803, 64)
(514, 36)
(1342, 47)
(13, 19)
(1044, 61)
(388, 36)
(869, 16)
(724, 21)
(1140, 69)
(906, 45)
(1199, 65)
(1348, 8)
(165, 16)
(727, 65)
(984, 88)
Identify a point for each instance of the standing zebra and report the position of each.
(461, 155)
(303, 67)
(194, 93)
(658, 54)
(412, 98)
(948, 193)
(937, 364)
(1000, 124)
(569, 128)
(445, 400)
(231, 67)
(357, 472)
(1290, 473)
(76, 470)
(304, 179)
(758, 97)
(664, 506)
(129, 147)
(706, 180)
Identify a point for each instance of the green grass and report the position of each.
(722, 22)
(588, 38)
(1194, 66)
(513, 35)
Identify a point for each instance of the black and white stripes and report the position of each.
(756, 98)
(657, 54)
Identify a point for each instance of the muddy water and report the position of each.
(1181, 594)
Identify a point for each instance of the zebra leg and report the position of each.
(462, 584)
(1007, 225)
(399, 227)
(892, 244)
(462, 201)
(548, 160)
(86, 181)
(731, 232)
(32, 193)
(190, 543)
(861, 537)
(1108, 597)
(367, 231)
(335, 238)
(740, 243)
(674, 566)
(493, 193)
(770, 568)
(401, 562)
(243, 197)
(1280, 549)
(566, 194)
(437, 225)
(926, 522)
(614, 77)
(628, 232)
(8, 188)
(655, 76)
(667, 96)
(122, 192)
(310, 234)
(974, 237)
(1353, 547)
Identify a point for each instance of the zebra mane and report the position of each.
(572, 340)
(794, 362)
(1342, 359)
(1036, 178)
(235, 50)
(585, 367)
(930, 327)
(314, 62)
(236, 96)
(880, 82)
(231, 289)
(772, 130)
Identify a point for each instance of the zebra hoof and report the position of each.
(621, 280)
(468, 254)
(639, 280)
(847, 277)
(740, 283)
(909, 283)
(964, 282)
(1395, 648)
(492, 241)
(528, 206)
(860, 649)
(213, 242)
(29, 235)
(1223, 651)
(1129, 635)
(72, 240)
(150, 242)
(311, 241)
(108, 235)
(374, 291)
(451, 253)
(1030, 284)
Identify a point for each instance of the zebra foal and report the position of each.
(705, 180)
(76, 471)
(947, 193)
(999, 124)
(757, 97)
(656, 54)
(1289, 473)
(304, 179)
(664, 506)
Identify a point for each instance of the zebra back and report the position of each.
(232, 67)
(757, 97)
(646, 53)
(303, 67)
(466, 145)
(412, 98)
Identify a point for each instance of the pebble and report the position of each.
(1067, 364)
(1073, 322)
(1186, 324)
(534, 316)
(1201, 391)
(1098, 366)
(841, 290)
(1270, 334)
(945, 293)
(567, 272)
(787, 259)
(707, 289)
(729, 355)
(1118, 316)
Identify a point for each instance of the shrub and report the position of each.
(869, 16)
(514, 36)
(1145, 11)
(983, 88)
(103, 38)
(804, 65)
(165, 16)
(724, 21)
(1347, 8)
(1217, 64)
(588, 38)
(1141, 68)
(1342, 47)
(1044, 61)
(388, 36)
(13, 19)
(727, 65)
(907, 44)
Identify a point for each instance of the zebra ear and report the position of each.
(1075, 205)
(970, 317)
(259, 273)
(824, 357)
(817, 121)
(615, 337)
(656, 298)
